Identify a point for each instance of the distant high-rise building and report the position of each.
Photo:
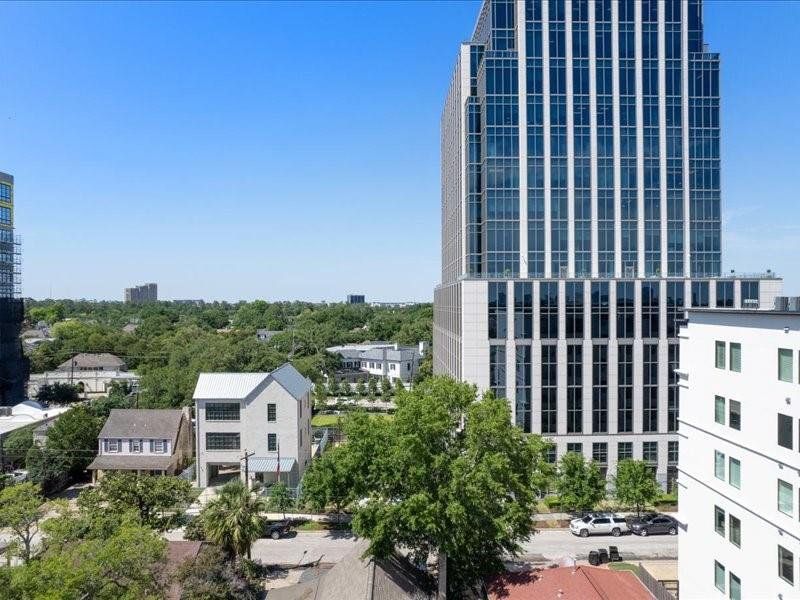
(581, 216)
(355, 299)
(13, 365)
(142, 293)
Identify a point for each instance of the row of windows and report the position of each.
(734, 469)
(734, 583)
(135, 446)
(734, 414)
(735, 357)
(575, 310)
(625, 451)
(230, 411)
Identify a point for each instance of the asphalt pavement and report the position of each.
(548, 545)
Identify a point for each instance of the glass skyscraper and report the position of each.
(13, 366)
(581, 216)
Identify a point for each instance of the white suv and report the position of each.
(599, 524)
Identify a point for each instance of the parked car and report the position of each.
(654, 523)
(277, 529)
(599, 524)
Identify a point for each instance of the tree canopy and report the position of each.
(580, 485)
(635, 484)
(174, 342)
(450, 473)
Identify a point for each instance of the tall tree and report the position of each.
(149, 496)
(280, 498)
(635, 484)
(22, 510)
(450, 473)
(232, 520)
(329, 482)
(580, 485)
(386, 388)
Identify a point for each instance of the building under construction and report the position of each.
(13, 364)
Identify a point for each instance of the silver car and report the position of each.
(599, 524)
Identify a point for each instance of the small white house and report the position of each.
(381, 359)
(253, 425)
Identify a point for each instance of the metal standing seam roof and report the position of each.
(269, 464)
(227, 386)
(239, 386)
(144, 423)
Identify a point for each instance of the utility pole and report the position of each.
(246, 460)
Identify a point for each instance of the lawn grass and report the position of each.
(623, 566)
(333, 420)
(320, 526)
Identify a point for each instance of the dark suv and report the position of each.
(654, 523)
(277, 529)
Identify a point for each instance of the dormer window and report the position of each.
(136, 446)
(158, 446)
(112, 445)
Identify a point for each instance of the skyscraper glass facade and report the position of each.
(581, 214)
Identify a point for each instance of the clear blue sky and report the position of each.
(291, 150)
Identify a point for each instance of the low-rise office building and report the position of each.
(144, 441)
(24, 414)
(739, 464)
(253, 425)
(380, 359)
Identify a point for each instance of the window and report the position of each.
(700, 294)
(272, 442)
(222, 441)
(719, 521)
(158, 446)
(523, 385)
(573, 309)
(574, 389)
(785, 498)
(735, 531)
(719, 465)
(650, 388)
(497, 370)
(736, 357)
(600, 309)
(523, 310)
(549, 388)
(136, 446)
(548, 309)
(650, 452)
(624, 450)
(498, 310)
(600, 452)
(735, 472)
(625, 388)
(719, 576)
(786, 564)
(222, 411)
(785, 434)
(599, 389)
(719, 354)
(785, 365)
(724, 294)
(672, 451)
(735, 587)
(735, 415)
(650, 309)
(625, 309)
(112, 445)
(719, 410)
(575, 447)
(272, 413)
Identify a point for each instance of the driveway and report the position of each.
(548, 545)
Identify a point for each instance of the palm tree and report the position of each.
(233, 519)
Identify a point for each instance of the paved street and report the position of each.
(547, 545)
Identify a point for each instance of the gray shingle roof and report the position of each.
(144, 423)
(354, 577)
(85, 360)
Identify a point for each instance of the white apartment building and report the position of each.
(739, 465)
(254, 423)
(381, 359)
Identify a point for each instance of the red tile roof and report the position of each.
(568, 583)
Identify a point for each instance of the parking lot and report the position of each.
(546, 546)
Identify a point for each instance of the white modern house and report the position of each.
(739, 465)
(381, 359)
(144, 441)
(253, 425)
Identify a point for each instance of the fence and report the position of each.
(188, 473)
(655, 586)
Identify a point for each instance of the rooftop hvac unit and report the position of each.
(794, 304)
(5, 411)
